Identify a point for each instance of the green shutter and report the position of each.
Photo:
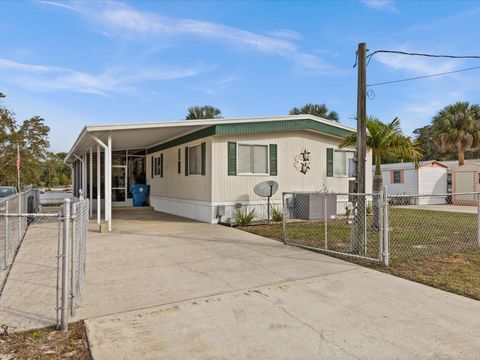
(152, 166)
(186, 160)
(232, 158)
(273, 159)
(329, 162)
(204, 157)
(161, 165)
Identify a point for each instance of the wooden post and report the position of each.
(361, 146)
(361, 117)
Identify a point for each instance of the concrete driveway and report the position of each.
(165, 287)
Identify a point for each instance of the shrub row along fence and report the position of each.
(381, 227)
(62, 231)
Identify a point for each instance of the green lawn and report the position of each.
(437, 248)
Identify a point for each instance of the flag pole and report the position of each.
(18, 167)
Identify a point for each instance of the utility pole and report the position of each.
(361, 145)
(361, 116)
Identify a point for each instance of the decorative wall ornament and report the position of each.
(302, 161)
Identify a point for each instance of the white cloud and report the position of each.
(118, 79)
(383, 5)
(117, 19)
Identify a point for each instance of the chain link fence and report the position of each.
(13, 227)
(55, 240)
(339, 223)
(428, 225)
(382, 227)
(80, 218)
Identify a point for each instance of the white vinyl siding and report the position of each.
(342, 162)
(195, 160)
(252, 159)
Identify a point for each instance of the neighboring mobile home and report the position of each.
(465, 179)
(406, 179)
(201, 169)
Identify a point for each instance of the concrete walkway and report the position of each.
(165, 287)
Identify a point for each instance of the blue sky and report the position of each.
(78, 63)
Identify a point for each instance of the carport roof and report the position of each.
(159, 134)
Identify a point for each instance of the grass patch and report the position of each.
(46, 343)
(435, 248)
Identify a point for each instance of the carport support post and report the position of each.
(90, 182)
(109, 182)
(386, 240)
(99, 205)
(66, 234)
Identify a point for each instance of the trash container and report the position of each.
(139, 194)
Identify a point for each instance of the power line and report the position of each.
(424, 76)
(369, 56)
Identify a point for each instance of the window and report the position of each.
(397, 177)
(343, 163)
(252, 159)
(195, 160)
(179, 161)
(158, 165)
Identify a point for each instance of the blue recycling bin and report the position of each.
(139, 194)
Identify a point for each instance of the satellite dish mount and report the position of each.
(266, 189)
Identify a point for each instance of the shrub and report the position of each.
(244, 217)
(347, 211)
(277, 214)
(369, 208)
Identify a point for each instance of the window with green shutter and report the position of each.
(204, 157)
(329, 162)
(186, 160)
(161, 165)
(232, 158)
(273, 159)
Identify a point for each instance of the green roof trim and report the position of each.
(255, 128)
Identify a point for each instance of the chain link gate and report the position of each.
(55, 231)
(348, 224)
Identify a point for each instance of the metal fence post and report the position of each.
(478, 220)
(66, 235)
(386, 240)
(72, 260)
(284, 225)
(325, 218)
(6, 234)
(381, 210)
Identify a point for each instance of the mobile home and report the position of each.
(203, 169)
(429, 178)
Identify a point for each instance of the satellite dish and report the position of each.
(266, 188)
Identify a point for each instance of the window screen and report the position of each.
(252, 159)
(341, 162)
(195, 160)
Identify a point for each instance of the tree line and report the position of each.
(38, 166)
(454, 133)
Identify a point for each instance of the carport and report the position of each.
(105, 159)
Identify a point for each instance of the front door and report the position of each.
(119, 184)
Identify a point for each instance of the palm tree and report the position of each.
(457, 127)
(384, 138)
(203, 112)
(319, 110)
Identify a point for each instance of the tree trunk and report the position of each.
(461, 156)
